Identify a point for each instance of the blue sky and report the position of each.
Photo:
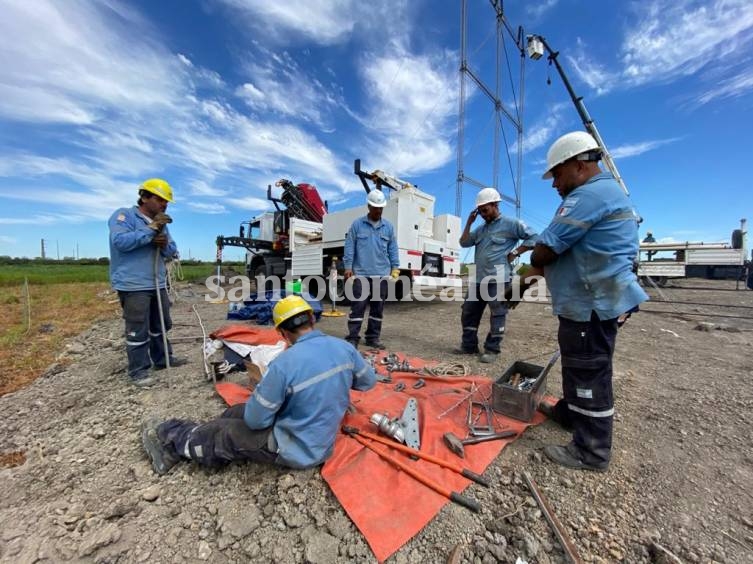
(222, 97)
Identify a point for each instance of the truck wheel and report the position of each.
(261, 270)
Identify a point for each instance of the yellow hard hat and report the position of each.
(158, 187)
(288, 307)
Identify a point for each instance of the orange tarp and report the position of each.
(387, 505)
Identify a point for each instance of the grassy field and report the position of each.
(37, 325)
(12, 275)
(62, 301)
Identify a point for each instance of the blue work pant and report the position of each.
(587, 404)
(473, 309)
(371, 293)
(143, 331)
(217, 442)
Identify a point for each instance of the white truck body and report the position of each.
(423, 241)
(670, 260)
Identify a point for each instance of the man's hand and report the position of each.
(347, 274)
(395, 273)
(473, 215)
(160, 240)
(512, 255)
(159, 221)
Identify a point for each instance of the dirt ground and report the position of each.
(681, 473)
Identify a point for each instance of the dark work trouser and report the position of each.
(143, 331)
(587, 405)
(473, 310)
(369, 292)
(217, 442)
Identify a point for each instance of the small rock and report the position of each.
(322, 549)
(205, 551)
(151, 493)
(98, 538)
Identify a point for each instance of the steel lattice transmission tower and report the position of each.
(501, 113)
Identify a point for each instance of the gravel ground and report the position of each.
(681, 474)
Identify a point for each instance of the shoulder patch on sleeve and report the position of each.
(121, 217)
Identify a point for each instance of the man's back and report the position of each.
(311, 381)
(595, 234)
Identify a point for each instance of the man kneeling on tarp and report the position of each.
(293, 415)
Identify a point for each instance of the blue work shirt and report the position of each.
(371, 250)
(494, 241)
(304, 395)
(595, 234)
(132, 251)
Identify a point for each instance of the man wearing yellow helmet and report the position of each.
(294, 414)
(138, 235)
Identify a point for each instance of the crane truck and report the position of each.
(302, 240)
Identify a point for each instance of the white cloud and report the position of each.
(203, 188)
(7, 240)
(324, 21)
(63, 63)
(412, 104)
(277, 83)
(679, 38)
(594, 74)
(633, 149)
(209, 208)
(543, 130)
(732, 87)
(537, 9)
(671, 39)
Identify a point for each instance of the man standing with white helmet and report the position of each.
(496, 245)
(587, 254)
(371, 254)
(140, 242)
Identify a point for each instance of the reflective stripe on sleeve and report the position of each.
(264, 402)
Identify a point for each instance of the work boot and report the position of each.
(570, 457)
(488, 357)
(143, 381)
(461, 350)
(353, 342)
(163, 457)
(175, 361)
(546, 409)
(375, 345)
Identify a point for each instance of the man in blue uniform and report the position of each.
(140, 243)
(371, 254)
(496, 244)
(587, 254)
(293, 415)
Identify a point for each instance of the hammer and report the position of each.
(456, 444)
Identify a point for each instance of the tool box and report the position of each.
(516, 402)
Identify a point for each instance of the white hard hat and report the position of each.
(376, 199)
(567, 147)
(487, 196)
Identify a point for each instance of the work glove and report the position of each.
(159, 221)
(160, 240)
(395, 274)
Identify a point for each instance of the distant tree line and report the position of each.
(6, 260)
